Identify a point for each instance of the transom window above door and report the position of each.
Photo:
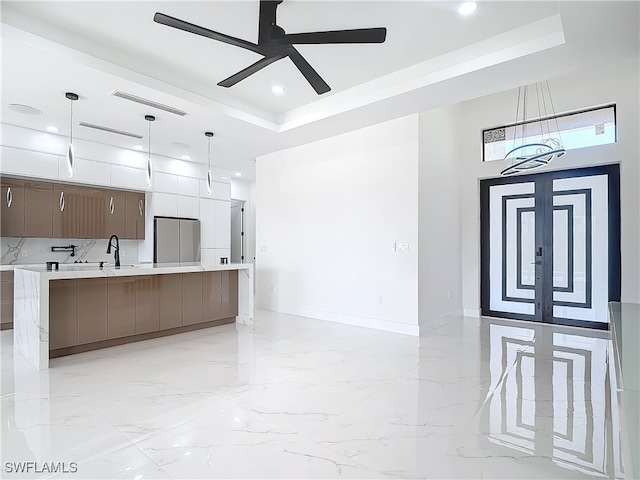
(583, 128)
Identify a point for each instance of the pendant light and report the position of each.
(71, 156)
(149, 118)
(540, 144)
(209, 173)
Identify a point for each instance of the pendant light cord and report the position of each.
(71, 133)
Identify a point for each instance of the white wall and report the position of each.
(178, 187)
(440, 291)
(617, 83)
(327, 212)
(327, 215)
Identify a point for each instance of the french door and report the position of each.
(550, 248)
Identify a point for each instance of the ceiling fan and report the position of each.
(274, 44)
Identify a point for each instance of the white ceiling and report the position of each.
(432, 57)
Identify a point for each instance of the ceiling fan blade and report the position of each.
(250, 70)
(316, 81)
(360, 35)
(204, 32)
(267, 19)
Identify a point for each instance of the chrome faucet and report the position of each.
(116, 249)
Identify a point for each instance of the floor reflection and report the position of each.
(292, 397)
(554, 396)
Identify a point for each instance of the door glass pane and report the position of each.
(580, 248)
(512, 248)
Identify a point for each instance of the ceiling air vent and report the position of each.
(149, 103)
(110, 130)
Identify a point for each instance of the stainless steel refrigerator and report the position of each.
(176, 240)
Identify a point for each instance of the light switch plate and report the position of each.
(393, 246)
(403, 247)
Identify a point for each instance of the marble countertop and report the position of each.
(73, 270)
(625, 320)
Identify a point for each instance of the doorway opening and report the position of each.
(550, 246)
(237, 231)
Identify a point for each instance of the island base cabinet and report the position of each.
(63, 321)
(170, 288)
(121, 306)
(191, 298)
(229, 289)
(211, 296)
(147, 304)
(91, 313)
(6, 305)
(92, 310)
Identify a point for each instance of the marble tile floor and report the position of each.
(292, 397)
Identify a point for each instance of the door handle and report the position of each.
(61, 201)
(140, 208)
(112, 208)
(539, 262)
(9, 197)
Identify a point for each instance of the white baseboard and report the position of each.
(471, 312)
(374, 323)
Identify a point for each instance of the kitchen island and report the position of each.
(81, 308)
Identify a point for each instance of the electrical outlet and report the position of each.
(380, 299)
(449, 294)
(393, 246)
(23, 252)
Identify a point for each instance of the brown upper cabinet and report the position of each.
(32, 208)
(89, 208)
(38, 209)
(135, 214)
(114, 212)
(62, 217)
(77, 212)
(12, 212)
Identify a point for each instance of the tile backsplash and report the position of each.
(23, 251)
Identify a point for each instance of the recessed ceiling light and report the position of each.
(138, 147)
(24, 109)
(186, 157)
(467, 8)
(277, 90)
(180, 145)
(238, 174)
(53, 129)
